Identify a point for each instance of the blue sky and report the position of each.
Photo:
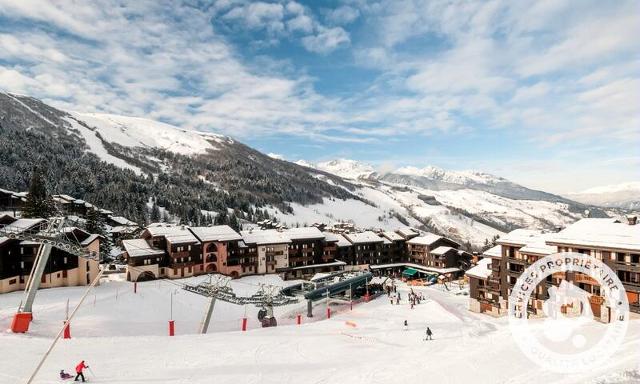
(545, 93)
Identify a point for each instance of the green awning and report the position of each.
(409, 272)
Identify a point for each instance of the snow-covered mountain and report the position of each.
(194, 171)
(624, 195)
(345, 168)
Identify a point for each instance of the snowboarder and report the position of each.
(429, 333)
(64, 375)
(406, 325)
(79, 369)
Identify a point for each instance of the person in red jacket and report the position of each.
(79, 369)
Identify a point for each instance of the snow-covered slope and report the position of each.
(123, 338)
(138, 132)
(625, 195)
(454, 177)
(348, 169)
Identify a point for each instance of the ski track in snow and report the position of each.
(120, 345)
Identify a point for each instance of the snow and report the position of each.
(304, 233)
(122, 336)
(174, 234)
(363, 237)
(615, 195)
(265, 236)
(441, 250)
(493, 252)
(140, 247)
(348, 169)
(454, 177)
(426, 239)
(97, 147)
(609, 233)
(215, 233)
(138, 132)
(520, 236)
(482, 270)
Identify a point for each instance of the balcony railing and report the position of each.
(624, 265)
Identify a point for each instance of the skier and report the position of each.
(429, 333)
(79, 369)
(406, 325)
(398, 299)
(64, 375)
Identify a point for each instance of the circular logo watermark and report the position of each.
(579, 328)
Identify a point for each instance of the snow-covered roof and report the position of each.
(140, 248)
(22, 225)
(216, 233)
(89, 240)
(174, 234)
(304, 233)
(122, 220)
(265, 236)
(363, 237)
(426, 239)
(407, 232)
(122, 229)
(494, 252)
(519, 237)
(604, 233)
(392, 236)
(441, 250)
(482, 270)
(341, 241)
(538, 245)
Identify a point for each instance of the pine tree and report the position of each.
(155, 213)
(39, 203)
(95, 225)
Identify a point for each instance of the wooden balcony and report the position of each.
(624, 266)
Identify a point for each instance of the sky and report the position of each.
(545, 93)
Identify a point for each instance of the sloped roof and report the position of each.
(22, 225)
(363, 237)
(538, 245)
(173, 234)
(341, 241)
(304, 233)
(482, 270)
(426, 239)
(519, 237)
(122, 220)
(265, 236)
(441, 250)
(494, 252)
(140, 248)
(604, 233)
(215, 233)
(392, 236)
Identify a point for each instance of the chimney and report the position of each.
(632, 219)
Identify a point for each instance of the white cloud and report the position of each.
(326, 40)
(343, 15)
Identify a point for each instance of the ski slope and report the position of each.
(467, 348)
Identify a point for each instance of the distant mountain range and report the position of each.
(123, 163)
(625, 196)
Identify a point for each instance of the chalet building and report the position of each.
(221, 251)
(408, 233)
(420, 251)
(11, 201)
(485, 287)
(366, 248)
(306, 247)
(144, 262)
(343, 246)
(615, 242)
(394, 248)
(62, 270)
(183, 251)
(270, 247)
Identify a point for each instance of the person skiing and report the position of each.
(79, 368)
(406, 325)
(429, 333)
(64, 375)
